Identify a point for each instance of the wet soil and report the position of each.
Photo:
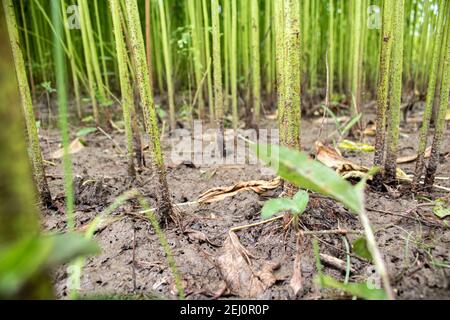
(415, 246)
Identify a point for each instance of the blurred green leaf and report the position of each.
(85, 131)
(306, 173)
(360, 248)
(360, 290)
(441, 210)
(47, 86)
(88, 119)
(25, 258)
(351, 124)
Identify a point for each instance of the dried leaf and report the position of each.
(370, 131)
(235, 266)
(407, 159)
(258, 186)
(195, 235)
(346, 168)
(296, 280)
(334, 160)
(75, 147)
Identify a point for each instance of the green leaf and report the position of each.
(88, 119)
(21, 261)
(360, 248)
(24, 259)
(360, 290)
(301, 199)
(356, 146)
(69, 246)
(275, 206)
(85, 131)
(441, 211)
(306, 173)
(351, 123)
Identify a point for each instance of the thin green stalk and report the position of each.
(168, 63)
(125, 85)
(255, 62)
(218, 89)
(73, 66)
(61, 83)
(331, 46)
(206, 31)
(234, 64)
(198, 67)
(88, 63)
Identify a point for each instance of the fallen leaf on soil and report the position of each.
(407, 159)
(370, 131)
(195, 235)
(441, 210)
(344, 167)
(74, 147)
(334, 160)
(447, 117)
(296, 280)
(235, 267)
(258, 186)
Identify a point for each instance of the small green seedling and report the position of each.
(296, 206)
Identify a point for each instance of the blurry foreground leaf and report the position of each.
(360, 290)
(27, 257)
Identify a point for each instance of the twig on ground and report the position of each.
(112, 140)
(335, 262)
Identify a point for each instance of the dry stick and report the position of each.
(406, 217)
(200, 86)
(111, 139)
(335, 262)
(240, 228)
(133, 264)
(376, 255)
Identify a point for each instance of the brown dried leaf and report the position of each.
(347, 169)
(333, 159)
(370, 131)
(258, 186)
(235, 266)
(74, 147)
(296, 281)
(195, 235)
(407, 159)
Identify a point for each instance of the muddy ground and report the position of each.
(416, 247)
